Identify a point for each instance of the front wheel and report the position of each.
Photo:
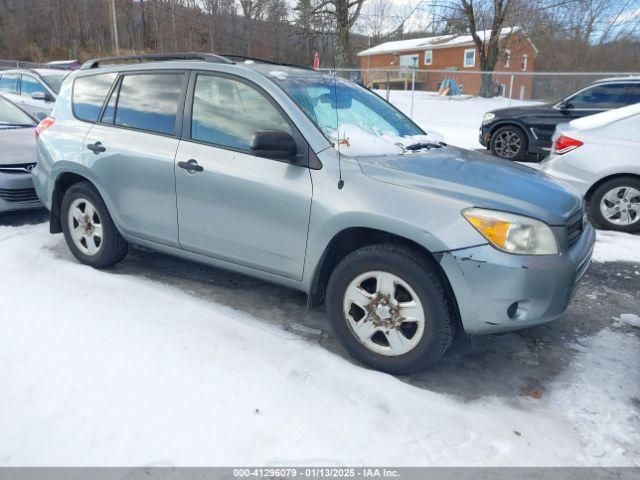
(390, 309)
(88, 228)
(509, 143)
(615, 205)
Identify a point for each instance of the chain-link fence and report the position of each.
(540, 86)
(8, 64)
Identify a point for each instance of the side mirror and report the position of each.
(39, 96)
(274, 144)
(566, 105)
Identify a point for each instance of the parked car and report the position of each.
(64, 64)
(515, 133)
(315, 183)
(17, 158)
(34, 90)
(598, 156)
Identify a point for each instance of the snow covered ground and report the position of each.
(458, 119)
(114, 368)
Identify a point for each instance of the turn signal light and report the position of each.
(43, 125)
(564, 144)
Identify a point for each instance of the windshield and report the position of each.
(10, 115)
(54, 81)
(356, 120)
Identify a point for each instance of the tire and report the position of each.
(622, 193)
(504, 140)
(99, 250)
(422, 280)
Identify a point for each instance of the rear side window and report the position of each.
(631, 94)
(9, 83)
(89, 94)
(149, 102)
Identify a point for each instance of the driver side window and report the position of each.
(30, 85)
(598, 96)
(228, 112)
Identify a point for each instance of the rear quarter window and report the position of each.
(89, 94)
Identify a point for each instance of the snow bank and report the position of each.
(101, 368)
(616, 247)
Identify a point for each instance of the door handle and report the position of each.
(191, 166)
(96, 147)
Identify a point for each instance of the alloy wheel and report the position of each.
(507, 144)
(621, 205)
(384, 313)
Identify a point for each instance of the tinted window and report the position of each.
(30, 85)
(110, 109)
(631, 95)
(89, 94)
(149, 102)
(228, 112)
(600, 96)
(9, 83)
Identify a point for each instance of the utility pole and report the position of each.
(115, 27)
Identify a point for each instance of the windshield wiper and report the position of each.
(420, 145)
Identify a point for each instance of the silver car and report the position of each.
(34, 90)
(17, 158)
(314, 183)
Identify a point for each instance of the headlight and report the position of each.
(488, 117)
(513, 233)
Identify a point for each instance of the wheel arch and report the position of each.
(511, 123)
(353, 238)
(612, 176)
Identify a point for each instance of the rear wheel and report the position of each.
(615, 205)
(88, 228)
(390, 309)
(509, 143)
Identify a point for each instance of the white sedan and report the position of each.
(599, 156)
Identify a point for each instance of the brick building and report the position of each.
(451, 57)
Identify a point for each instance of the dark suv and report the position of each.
(517, 132)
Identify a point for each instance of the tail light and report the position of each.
(43, 125)
(564, 144)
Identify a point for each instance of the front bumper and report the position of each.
(487, 283)
(17, 192)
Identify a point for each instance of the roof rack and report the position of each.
(156, 57)
(261, 60)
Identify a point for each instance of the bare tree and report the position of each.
(344, 14)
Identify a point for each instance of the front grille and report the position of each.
(16, 195)
(17, 168)
(574, 228)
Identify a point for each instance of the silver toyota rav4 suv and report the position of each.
(315, 183)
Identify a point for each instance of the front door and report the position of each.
(31, 87)
(240, 207)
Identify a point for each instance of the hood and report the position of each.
(478, 180)
(18, 145)
(522, 111)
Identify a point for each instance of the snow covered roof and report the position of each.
(605, 118)
(428, 43)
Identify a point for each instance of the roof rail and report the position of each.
(261, 60)
(156, 57)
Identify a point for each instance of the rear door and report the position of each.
(241, 208)
(131, 151)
